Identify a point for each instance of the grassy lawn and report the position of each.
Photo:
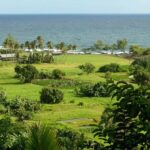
(68, 113)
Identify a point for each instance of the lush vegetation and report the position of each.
(99, 89)
(88, 68)
(38, 43)
(51, 96)
(35, 57)
(71, 102)
(126, 124)
(26, 73)
(140, 69)
(113, 67)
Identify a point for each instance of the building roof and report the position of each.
(7, 55)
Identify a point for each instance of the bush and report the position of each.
(72, 101)
(13, 136)
(26, 73)
(97, 90)
(85, 90)
(126, 124)
(36, 57)
(41, 137)
(80, 104)
(2, 109)
(51, 96)
(57, 74)
(140, 69)
(44, 75)
(140, 75)
(18, 71)
(23, 108)
(113, 67)
(22, 115)
(3, 98)
(70, 140)
(142, 62)
(88, 68)
(101, 89)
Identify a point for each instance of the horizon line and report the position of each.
(74, 13)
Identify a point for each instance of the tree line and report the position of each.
(38, 43)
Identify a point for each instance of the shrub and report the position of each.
(142, 62)
(108, 76)
(97, 90)
(22, 114)
(3, 97)
(41, 137)
(12, 135)
(44, 75)
(23, 108)
(101, 89)
(36, 57)
(48, 58)
(27, 73)
(72, 101)
(124, 125)
(113, 67)
(51, 96)
(140, 69)
(80, 104)
(141, 76)
(2, 109)
(18, 71)
(88, 68)
(70, 140)
(57, 74)
(85, 90)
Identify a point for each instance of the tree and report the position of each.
(49, 44)
(33, 44)
(26, 73)
(125, 126)
(99, 45)
(22, 46)
(40, 42)
(74, 47)
(60, 45)
(27, 44)
(87, 67)
(122, 44)
(47, 58)
(136, 50)
(10, 42)
(140, 69)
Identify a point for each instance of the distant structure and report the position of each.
(7, 56)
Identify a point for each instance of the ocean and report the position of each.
(82, 30)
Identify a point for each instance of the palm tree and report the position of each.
(40, 42)
(22, 46)
(41, 138)
(10, 42)
(27, 44)
(74, 47)
(49, 44)
(33, 44)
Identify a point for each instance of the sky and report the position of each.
(74, 6)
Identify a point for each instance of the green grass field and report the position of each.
(66, 113)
